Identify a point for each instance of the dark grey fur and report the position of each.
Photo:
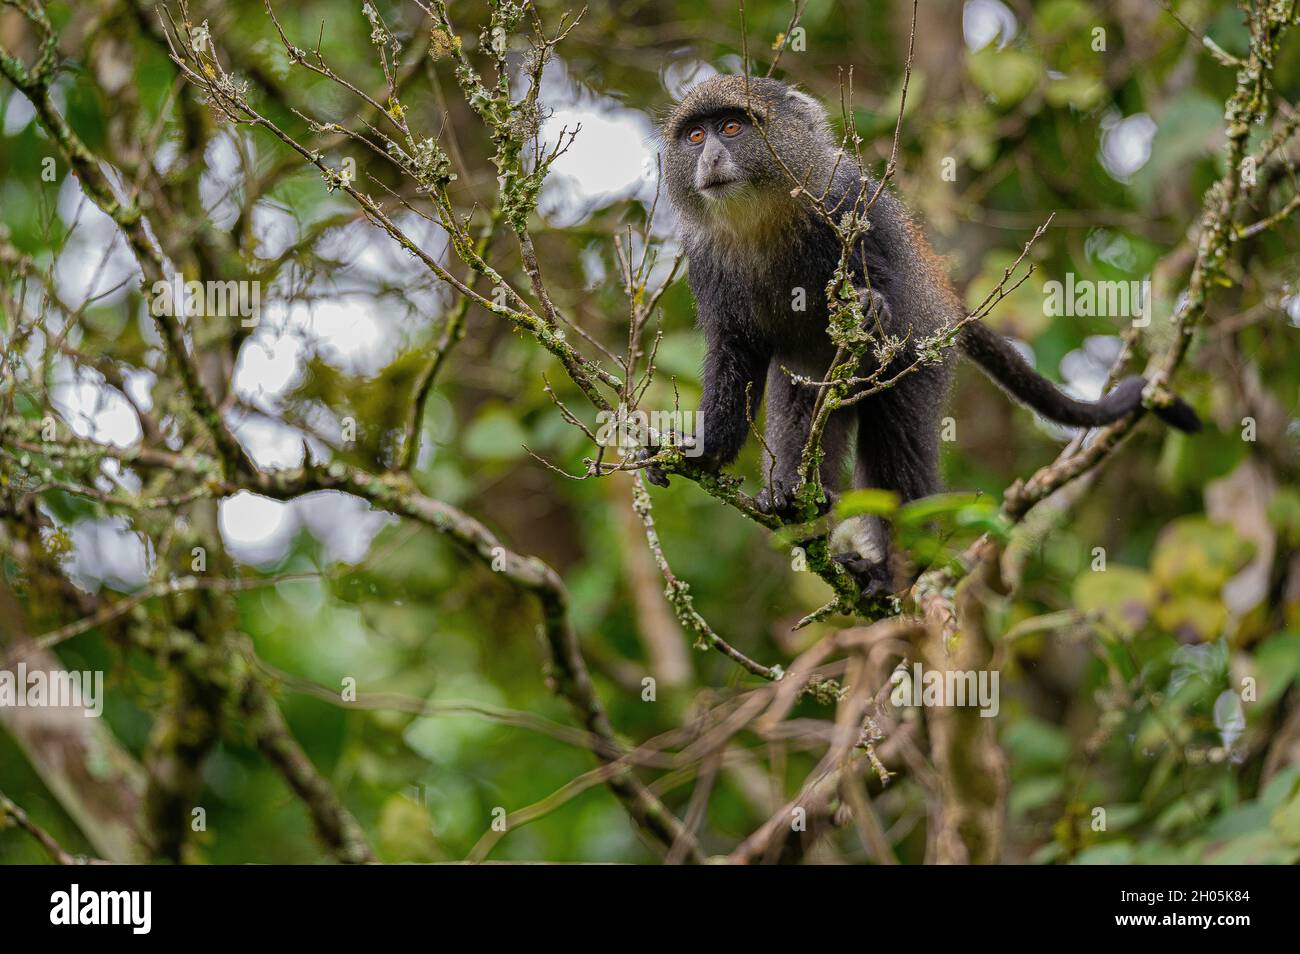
(750, 243)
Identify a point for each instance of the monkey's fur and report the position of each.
(750, 243)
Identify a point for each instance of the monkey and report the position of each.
(740, 157)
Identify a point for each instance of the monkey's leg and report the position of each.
(898, 450)
(785, 432)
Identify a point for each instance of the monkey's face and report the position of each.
(716, 161)
(736, 152)
(717, 174)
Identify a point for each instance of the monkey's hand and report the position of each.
(875, 308)
(653, 472)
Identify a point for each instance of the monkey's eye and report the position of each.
(732, 127)
(696, 135)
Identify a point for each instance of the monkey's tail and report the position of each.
(1004, 364)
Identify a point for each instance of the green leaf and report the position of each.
(1257, 848)
(1191, 126)
(927, 508)
(1035, 744)
(1281, 786)
(1123, 595)
(1059, 17)
(1194, 555)
(1192, 617)
(406, 832)
(1034, 793)
(495, 435)
(857, 503)
(1111, 853)
(1123, 816)
(1081, 92)
(679, 354)
(1284, 514)
(1008, 76)
(985, 520)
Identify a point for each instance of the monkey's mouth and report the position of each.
(720, 188)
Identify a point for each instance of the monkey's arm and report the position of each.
(733, 367)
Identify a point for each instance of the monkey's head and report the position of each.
(718, 151)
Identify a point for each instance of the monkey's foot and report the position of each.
(872, 576)
(774, 498)
(781, 500)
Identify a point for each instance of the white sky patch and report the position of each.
(165, 156)
(349, 327)
(256, 529)
(1113, 248)
(1126, 144)
(1229, 719)
(984, 21)
(347, 332)
(678, 75)
(274, 228)
(115, 475)
(269, 366)
(318, 418)
(612, 159)
(594, 271)
(139, 386)
(372, 257)
(355, 245)
(96, 411)
(271, 444)
(95, 259)
(1085, 369)
(107, 552)
(1291, 304)
(222, 177)
(18, 113)
(345, 525)
(19, 110)
(1103, 349)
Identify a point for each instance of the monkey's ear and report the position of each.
(807, 102)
